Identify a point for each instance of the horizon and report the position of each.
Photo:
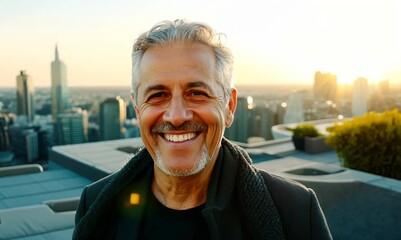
(241, 85)
(272, 42)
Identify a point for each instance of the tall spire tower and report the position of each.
(59, 86)
(56, 54)
(25, 92)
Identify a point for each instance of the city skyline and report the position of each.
(272, 41)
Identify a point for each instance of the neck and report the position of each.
(181, 193)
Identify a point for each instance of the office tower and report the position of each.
(59, 87)
(112, 116)
(360, 97)
(72, 127)
(25, 102)
(32, 145)
(280, 113)
(295, 107)
(4, 143)
(24, 143)
(261, 122)
(130, 111)
(45, 137)
(325, 86)
(239, 129)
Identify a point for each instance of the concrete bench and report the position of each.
(20, 169)
(52, 216)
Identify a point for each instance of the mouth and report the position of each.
(179, 137)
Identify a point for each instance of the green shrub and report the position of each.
(305, 130)
(371, 143)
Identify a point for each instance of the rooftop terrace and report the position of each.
(357, 205)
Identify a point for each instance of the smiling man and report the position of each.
(189, 182)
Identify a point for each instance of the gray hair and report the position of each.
(168, 32)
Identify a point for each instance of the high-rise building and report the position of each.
(25, 102)
(325, 86)
(59, 87)
(295, 107)
(4, 142)
(72, 127)
(360, 97)
(24, 143)
(32, 145)
(130, 111)
(112, 116)
(261, 122)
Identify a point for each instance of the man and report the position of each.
(189, 182)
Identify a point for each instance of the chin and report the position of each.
(200, 165)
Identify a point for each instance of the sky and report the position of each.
(273, 41)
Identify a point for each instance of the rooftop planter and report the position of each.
(307, 138)
(371, 143)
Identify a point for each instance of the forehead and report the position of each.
(176, 61)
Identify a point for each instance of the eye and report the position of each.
(157, 96)
(198, 93)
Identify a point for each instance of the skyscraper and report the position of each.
(25, 103)
(24, 143)
(4, 141)
(59, 87)
(261, 122)
(295, 107)
(112, 116)
(325, 86)
(72, 127)
(360, 97)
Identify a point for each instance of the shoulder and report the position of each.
(89, 195)
(93, 190)
(136, 167)
(298, 207)
(282, 188)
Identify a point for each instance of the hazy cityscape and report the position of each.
(34, 120)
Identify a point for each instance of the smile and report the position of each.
(179, 137)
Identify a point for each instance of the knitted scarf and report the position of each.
(257, 205)
(256, 202)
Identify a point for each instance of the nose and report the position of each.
(177, 113)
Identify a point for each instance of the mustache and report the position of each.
(186, 126)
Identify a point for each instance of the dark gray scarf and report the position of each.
(255, 199)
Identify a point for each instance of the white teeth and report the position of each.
(179, 137)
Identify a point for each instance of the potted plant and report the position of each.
(370, 143)
(307, 138)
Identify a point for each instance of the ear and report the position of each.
(136, 109)
(232, 106)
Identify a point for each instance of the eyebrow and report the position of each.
(159, 87)
(155, 88)
(198, 84)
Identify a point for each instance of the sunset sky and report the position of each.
(273, 41)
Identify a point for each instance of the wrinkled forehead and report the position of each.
(179, 52)
(177, 60)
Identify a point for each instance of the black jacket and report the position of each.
(242, 202)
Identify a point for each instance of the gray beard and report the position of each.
(202, 162)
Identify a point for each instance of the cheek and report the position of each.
(148, 117)
(215, 120)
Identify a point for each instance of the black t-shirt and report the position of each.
(161, 222)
